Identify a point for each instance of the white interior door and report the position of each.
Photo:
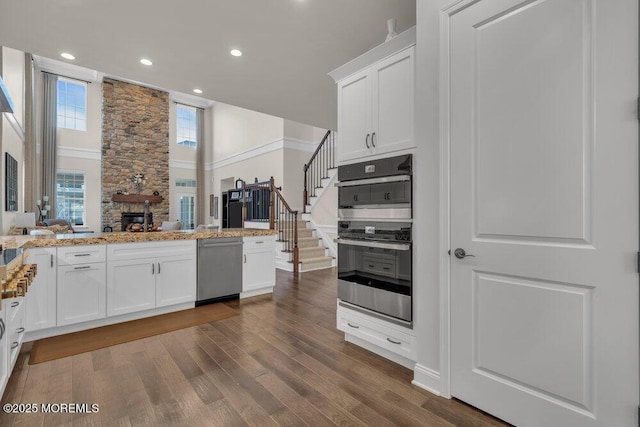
(544, 194)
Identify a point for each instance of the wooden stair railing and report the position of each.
(281, 217)
(317, 168)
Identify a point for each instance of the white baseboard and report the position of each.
(400, 360)
(322, 232)
(256, 292)
(426, 378)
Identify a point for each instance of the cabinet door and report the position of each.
(392, 100)
(41, 297)
(258, 269)
(81, 293)
(131, 286)
(354, 117)
(175, 280)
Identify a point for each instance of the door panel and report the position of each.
(528, 331)
(545, 121)
(544, 194)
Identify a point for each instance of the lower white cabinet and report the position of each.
(176, 279)
(41, 297)
(131, 286)
(143, 276)
(387, 339)
(82, 293)
(14, 320)
(258, 265)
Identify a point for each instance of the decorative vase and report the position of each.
(391, 26)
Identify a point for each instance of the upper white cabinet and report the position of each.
(41, 297)
(375, 108)
(375, 100)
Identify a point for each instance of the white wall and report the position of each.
(263, 166)
(236, 130)
(426, 193)
(13, 74)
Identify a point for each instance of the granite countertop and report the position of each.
(124, 237)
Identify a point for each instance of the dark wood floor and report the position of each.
(281, 361)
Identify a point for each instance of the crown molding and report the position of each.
(67, 70)
(182, 164)
(401, 41)
(79, 153)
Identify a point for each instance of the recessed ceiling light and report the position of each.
(236, 52)
(145, 61)
(197, 91)
(66, 55)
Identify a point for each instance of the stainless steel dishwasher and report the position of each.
(219, 269)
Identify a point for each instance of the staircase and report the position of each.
(300, 247)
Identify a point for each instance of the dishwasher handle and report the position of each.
(216, 244)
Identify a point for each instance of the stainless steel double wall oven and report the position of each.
(375, 237)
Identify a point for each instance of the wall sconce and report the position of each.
(43, 208)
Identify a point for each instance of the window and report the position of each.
(72, 104)
(185, 182)
(187, 128)
(70, 197)
(187, 210)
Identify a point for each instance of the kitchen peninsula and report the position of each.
(90, 280)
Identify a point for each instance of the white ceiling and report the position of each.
(288, 46)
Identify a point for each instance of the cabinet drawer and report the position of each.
(15, 326)
(377, 332)
(81, 254)
(127, 251)
(258, 242)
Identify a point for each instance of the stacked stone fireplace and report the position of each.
(135, 140)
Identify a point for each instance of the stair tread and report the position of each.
(316, 259)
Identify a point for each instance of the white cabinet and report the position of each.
(375, 108)
(14, 320)
(81, 293)
(387, 339)
(131, 285)
(176, 279)
(143, 276)
(259, 265)
(41, 296)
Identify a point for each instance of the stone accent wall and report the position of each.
(135, 139)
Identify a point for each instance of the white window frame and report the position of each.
(79, 83)
(84, 195)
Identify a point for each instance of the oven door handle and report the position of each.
(381, 180)
(375, 244)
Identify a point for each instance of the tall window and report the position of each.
(70, 197)
(187, 128)
(72, 104)
(187, 212)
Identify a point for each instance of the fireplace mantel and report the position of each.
(136, 198)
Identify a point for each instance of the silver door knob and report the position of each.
(460, 253)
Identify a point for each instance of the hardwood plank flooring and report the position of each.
(279, 362)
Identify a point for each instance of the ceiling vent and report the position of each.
(6, 104)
